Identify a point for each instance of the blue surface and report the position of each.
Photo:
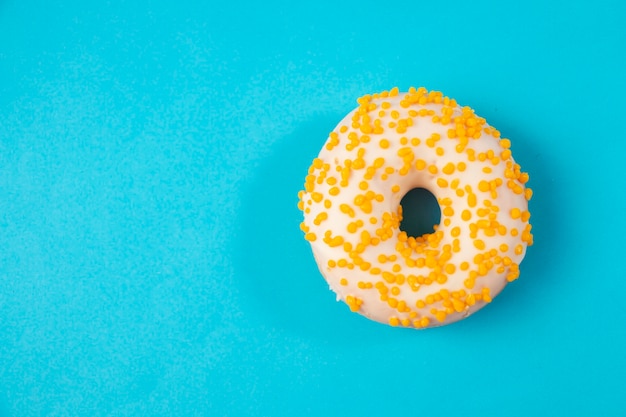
(150, 257)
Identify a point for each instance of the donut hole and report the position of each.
(420, 212)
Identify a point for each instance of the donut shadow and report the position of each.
(280, 278)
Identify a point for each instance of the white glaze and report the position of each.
(372, 306)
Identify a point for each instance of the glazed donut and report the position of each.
(390, 144)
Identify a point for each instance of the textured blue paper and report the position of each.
(150, 256)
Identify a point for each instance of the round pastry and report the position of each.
(392, 143)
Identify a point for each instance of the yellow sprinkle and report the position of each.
(479, 244)
(318, 163)
(459, 306)
(336, 241)
(440, 316)
(528, 193)
(448, 169)
(347, 210)
(320, 218)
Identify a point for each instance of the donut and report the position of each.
(390, 144)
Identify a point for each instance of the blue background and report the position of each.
(150, 256)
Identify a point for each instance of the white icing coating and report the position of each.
(361, 279)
